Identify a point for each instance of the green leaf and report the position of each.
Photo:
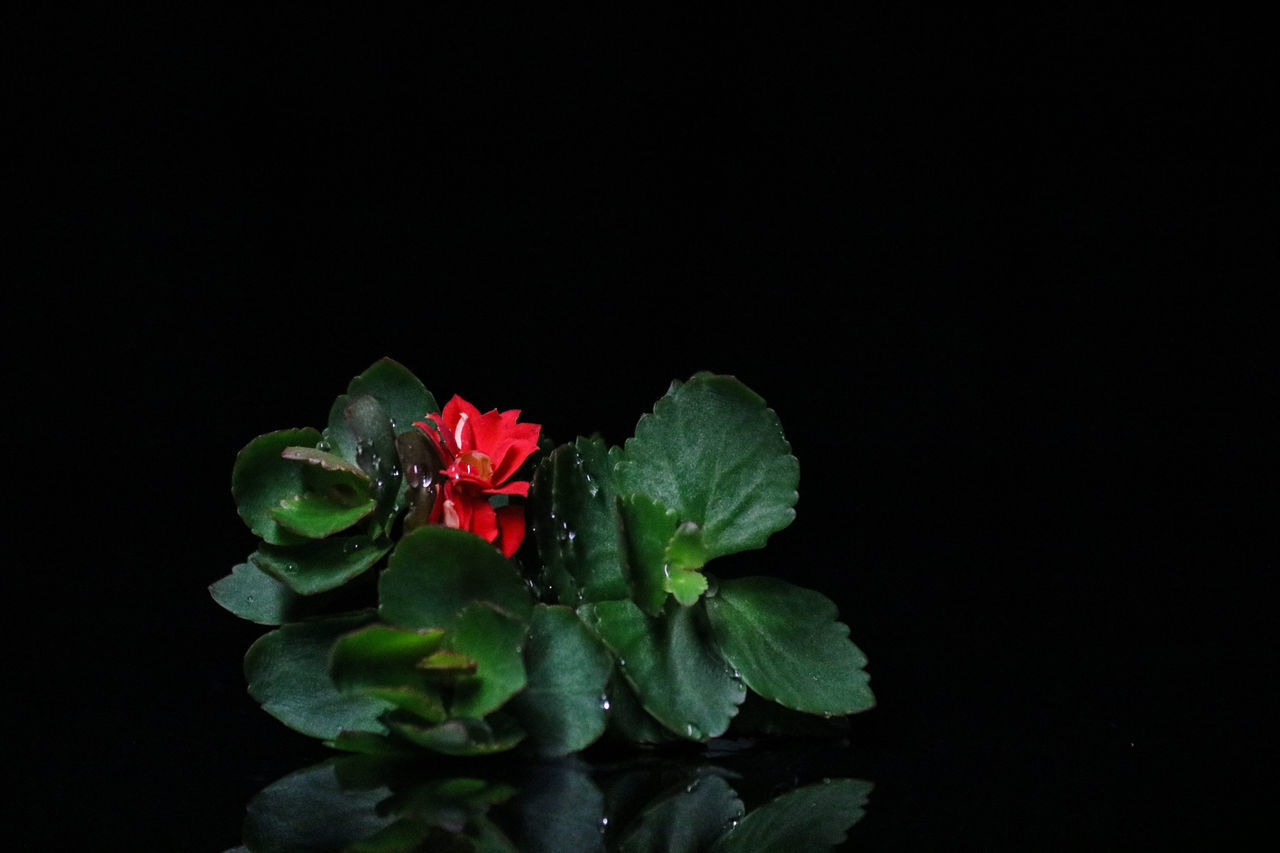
(319, 565)
(650, 527)
(383, 656)
(316, 515)
(288, 673)
(375, 451)
(336, 494)
(788, 647)
(678, 675)
(435, 572)
(576, 524)
(495, 641)
(252, 594)
(563, 705)
(626, 719)
(687, 820)
(261, 478)
(812, 818)
(713, 452)
(400, 394)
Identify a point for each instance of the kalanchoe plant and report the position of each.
(409, 611)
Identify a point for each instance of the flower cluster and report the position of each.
(478, 454)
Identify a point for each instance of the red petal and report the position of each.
(510, 519)
(515, 487)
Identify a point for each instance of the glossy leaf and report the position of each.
(435, 572)
(321, 564)
(813, 818)
(375, 443)
(495, 641)
(401, 396)
(788, 647)
(562, 706)
(713, 452)
(678, 675)
(288, 673)
(576, 524)
(261, 478)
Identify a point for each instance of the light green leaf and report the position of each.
(788, 647)
(713, 452)
(650, 527)
(381, 656)
(316, 515)
(495, 641)
(261, 478)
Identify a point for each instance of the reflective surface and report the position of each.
(739, 799)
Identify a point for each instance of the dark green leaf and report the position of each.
(575, 521)
(400, 394)
(713, 452)
(435, 572)
(375, 443)
(320, 564)
(252, 594)
(495, 641)
(288, 673)
(562, 706)
(261, 478)
(687, 820)
(788, 647)
(626, 719)
(813, 818)
(678, 675)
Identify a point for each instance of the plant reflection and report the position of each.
(720, 800)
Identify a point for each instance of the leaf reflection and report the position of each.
(740, 801)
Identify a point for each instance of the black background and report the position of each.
(991, 270)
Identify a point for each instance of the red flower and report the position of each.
(481, 452)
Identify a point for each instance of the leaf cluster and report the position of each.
(389, 633)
